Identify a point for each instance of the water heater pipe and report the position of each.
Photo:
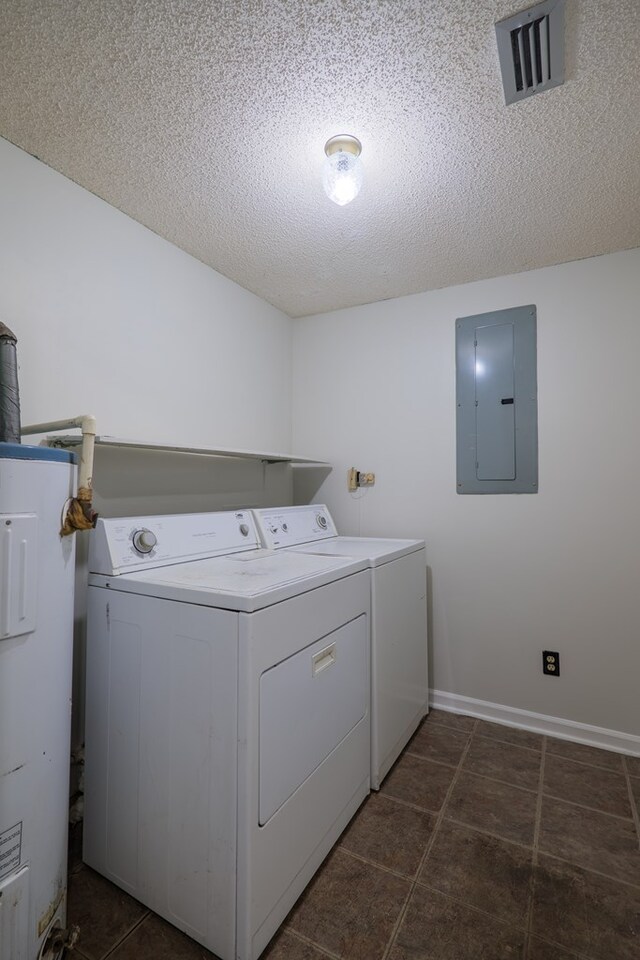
(9, 393)
(79, 514)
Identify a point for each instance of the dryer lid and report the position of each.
(377, 550)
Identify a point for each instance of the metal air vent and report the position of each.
(531, 50)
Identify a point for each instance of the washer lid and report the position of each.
(243, 581)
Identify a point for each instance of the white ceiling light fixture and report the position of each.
(342, 174)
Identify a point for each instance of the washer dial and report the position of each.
(144, 541)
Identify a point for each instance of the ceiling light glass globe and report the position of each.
(342, 177)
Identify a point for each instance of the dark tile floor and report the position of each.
(485, 843)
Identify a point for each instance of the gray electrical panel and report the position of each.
(497, 405)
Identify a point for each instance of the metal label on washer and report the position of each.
(10, 849)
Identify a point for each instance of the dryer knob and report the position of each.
(321, 521)
(144, 541)
(244, 529)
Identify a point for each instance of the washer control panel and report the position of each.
(290, 526)
(139, 543)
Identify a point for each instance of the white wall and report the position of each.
(113, 320)
(374, 388)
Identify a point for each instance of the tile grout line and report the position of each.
(585, 763)
(312, 943)
(595, 873)
(489, 833)
(125, 936)
(547, 737)
(76, 951)
(374, 863)
(522, 846)
(428, 886)
(509, 743)
(471, 906)
(542, 736)
(517, 786)
(398, 923)
(635, 811)
(450, 726)
(421, 756)
(472, 773)
(407, 803)
(536, 846)
(569, 951)
(583, 806)
(552, 856)
(493, 836)
(430, 843)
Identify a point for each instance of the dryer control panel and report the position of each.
(290, 526)
(140, 543)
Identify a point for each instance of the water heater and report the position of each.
(36, 635)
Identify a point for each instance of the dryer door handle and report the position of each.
(323, 659)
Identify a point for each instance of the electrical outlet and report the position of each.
(551, 663)
(355, 479)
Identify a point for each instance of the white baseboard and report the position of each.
(537, 722)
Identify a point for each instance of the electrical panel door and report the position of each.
(496, 396)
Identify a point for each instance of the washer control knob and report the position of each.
(321, 520)
(244, 529)
(144, 541)
(284, 527)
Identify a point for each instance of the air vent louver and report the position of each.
(531, 50)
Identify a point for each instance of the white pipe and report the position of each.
(87, 424)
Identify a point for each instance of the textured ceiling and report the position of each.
(206, 121)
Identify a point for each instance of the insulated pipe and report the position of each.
(79, 514)
(9, 395)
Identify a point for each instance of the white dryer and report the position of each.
(399, 675)
(227, 720)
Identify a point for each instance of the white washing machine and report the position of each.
(399, 676)
(227, 723)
